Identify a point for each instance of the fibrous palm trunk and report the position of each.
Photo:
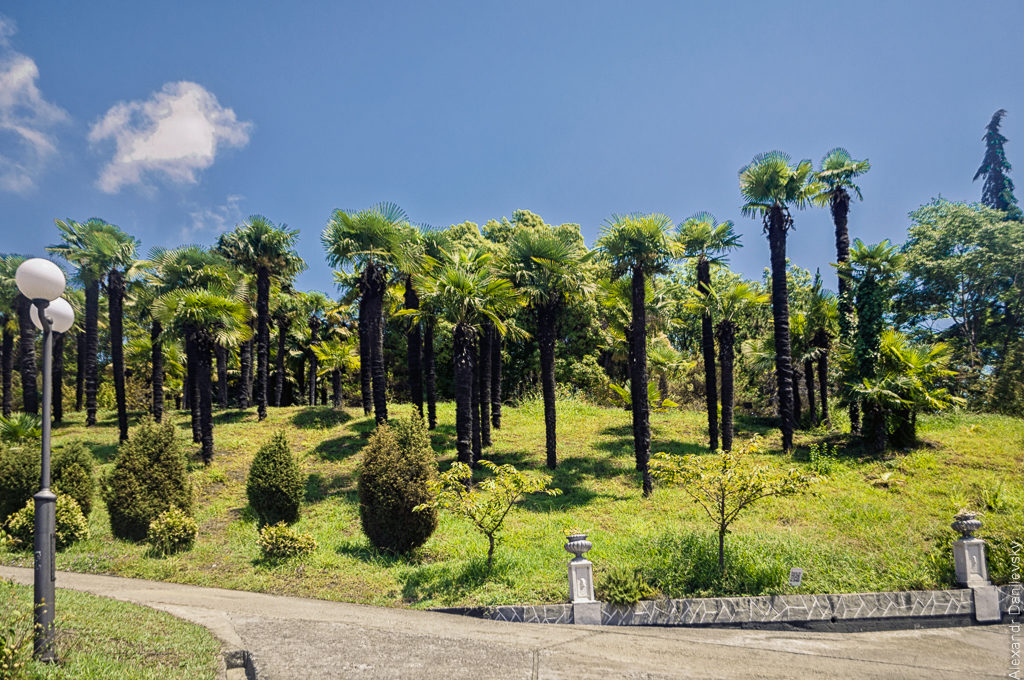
(546, 340)
(798, 405)
(462, 341)
(221, 352)
(638, 381)
(431, 372)
(707, 346)
(726, 356)
(8, 370)
(375, 288)
(115, 297)
(262, 340)
(777, 226)
(414, 349)
(839, 204)
(192, 386)
(821, 341)
(79, 369)
(204, 380)
(57, 381)
(314, 365)
(27, 356)
(92, 374)
(477, 443)
(809, 383)
(365, 380)
(282, 337)
(157, 377)
(245, 368)
(484, 370)
(495, 378)
(336, 387)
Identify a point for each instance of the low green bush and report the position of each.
(173, 531)
(622, 585)
(73, 468)
(149, 477)
(398, 468)
(280, 542)
(19, 478)
(21, 428)
(71, 525)
(274, 486)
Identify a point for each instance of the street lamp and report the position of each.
(42, 282)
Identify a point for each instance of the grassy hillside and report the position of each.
(872, 524)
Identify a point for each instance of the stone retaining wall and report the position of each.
(908, 607)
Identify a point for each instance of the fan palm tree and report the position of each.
(288, 309)
(20, 321)
(315, 306)
(463, 289)
(822, 323)
(415, 247)
(336, 356)
(640, 246)
(435, 241)
(369, 242)
(706, 240)
(838, 170)
(8, 326)
(545, 266)
(734, 302)
(267, 252)
(206, 317)
(771, 185)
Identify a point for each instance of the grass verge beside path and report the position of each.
(871, 524)
(103, 639)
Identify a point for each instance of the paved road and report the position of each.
(301, 638)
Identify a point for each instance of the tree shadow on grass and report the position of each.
(102, 452)
(228, 416)
(339, 448)
(316, 417)
(753, 424)
(318, 487)
(449, 582)
(623, 444)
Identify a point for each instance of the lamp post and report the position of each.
(42, 282)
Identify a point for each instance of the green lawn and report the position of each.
(102, 639)
(873, 524)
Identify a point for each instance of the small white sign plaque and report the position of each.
(795, 574)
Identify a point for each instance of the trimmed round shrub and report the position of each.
(149, 477)
(274, 486)
(73, 474)
(19, 478)
(173, 531)
(398, 466)
(71, 525)
(280, 542)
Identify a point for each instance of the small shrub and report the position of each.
(823, 458)
(19, 478)
(171, 532)
(625, 586)
(398, 467)
(73, 474)
(21, 428)
(15, 634)
(274, 486)
(149, 477)
(70, 524)
(281, 542)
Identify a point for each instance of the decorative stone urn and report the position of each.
(581, 570)
(969, 552)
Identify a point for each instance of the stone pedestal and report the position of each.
(581, 580)
(585, 609)
(969, 559)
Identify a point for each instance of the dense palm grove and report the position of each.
(649, 318)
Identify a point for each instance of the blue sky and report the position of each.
(176, 120)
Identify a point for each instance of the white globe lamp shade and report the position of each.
(59, 312)
(40, 279)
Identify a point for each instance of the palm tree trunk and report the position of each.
(282, 338)
(336, 387)
(484, 369)
(245, 368)
(314, 330)
(57, 380)
(376, 286)
(115, 297)
(462, 341)
(414, 348)
(157, 379)
(192, 387)
(495, 378)
(8, 370)
(221, 352)
(365, 381)
(204, 383)
(92, 373)
(809, 382)
(546, 340)
(822, 343)
(777, 226)
(726, 356)
(79, 369)
(839, 204)
(431, 371)
(798, 405)
(707, 346)
(27, 356)
(638, 381)
(477, 443)
(262, 340)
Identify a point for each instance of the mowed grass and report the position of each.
(103, 639)
(875, 523)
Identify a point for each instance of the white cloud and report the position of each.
(175, 133)
(213, 221)
(26, 118)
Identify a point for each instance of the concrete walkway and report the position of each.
(299, 638)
